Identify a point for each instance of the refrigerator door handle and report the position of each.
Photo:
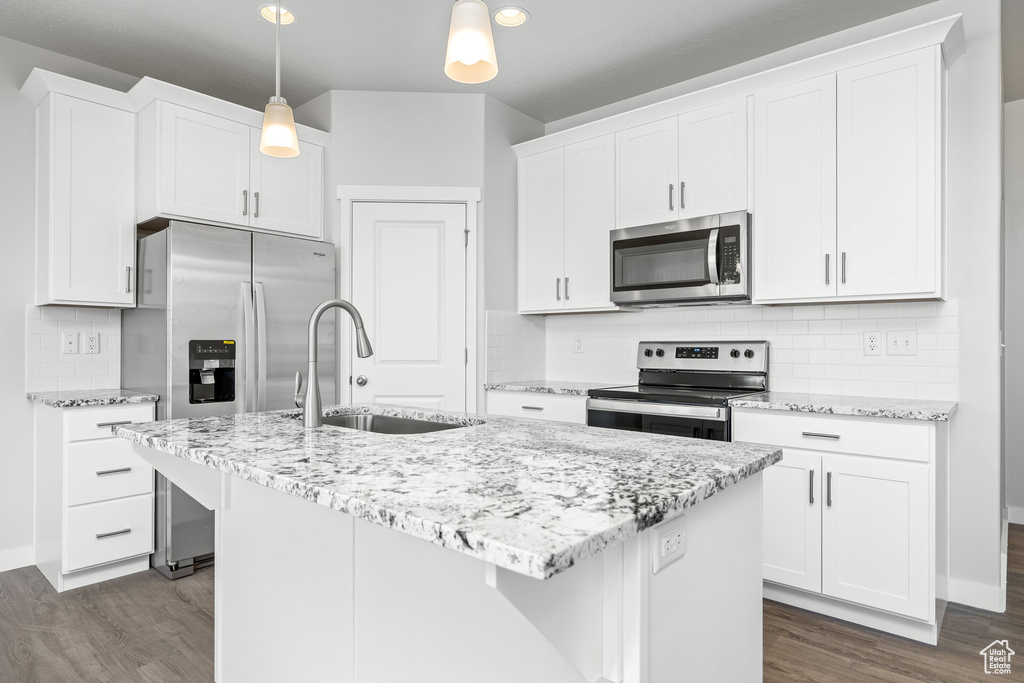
(261, 347)
(249, 404)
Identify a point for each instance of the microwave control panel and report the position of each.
(730, 242)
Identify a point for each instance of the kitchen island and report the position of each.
(501, 550)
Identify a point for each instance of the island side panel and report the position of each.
(704, 610)
(284, 588)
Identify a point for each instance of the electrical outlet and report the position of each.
(668, 543)
(902, 343)
(578, 344)
(91, 342)
(873, 344)
(69, 342)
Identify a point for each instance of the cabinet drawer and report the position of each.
(108, 531)
(105, 469)
(553, 407)
(94, 423)
(900, 439)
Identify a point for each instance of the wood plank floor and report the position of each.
(148, 629)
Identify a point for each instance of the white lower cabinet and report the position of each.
(538, 406)
(94, 496)
(849, 523)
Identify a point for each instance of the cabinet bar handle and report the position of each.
(810, 488)
(816, 435)
(119, 470)
(682, 195)
(566, 289)
(558, 288)
(127, 279)
(844, 267)
(114, 533)
(245, 202)
(256, 209)
(828, 487)
(533, 408)
(827, 268)
(671, 188)
(113, 424)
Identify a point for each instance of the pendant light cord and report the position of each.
(277, 32)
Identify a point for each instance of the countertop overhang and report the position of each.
(529, 496)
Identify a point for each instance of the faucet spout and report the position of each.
(311, 408)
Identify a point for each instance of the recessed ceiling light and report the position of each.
(268, 12)
(510, 16)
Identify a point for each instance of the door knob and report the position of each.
(361, 380)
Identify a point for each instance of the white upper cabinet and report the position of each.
(85, 181)
(207, 167)
(292, 201)
(566, 211)
(889, 217)
(794, 233)
(648, 166)
(713, 160)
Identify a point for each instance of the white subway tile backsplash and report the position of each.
(46, 369)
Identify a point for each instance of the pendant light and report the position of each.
(470, 57)
(279, 138)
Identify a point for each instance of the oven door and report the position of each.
(695, 422)
(663, 263)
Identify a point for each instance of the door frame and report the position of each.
(412, 194)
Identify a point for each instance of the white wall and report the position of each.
(1013, 193)
(17, 193)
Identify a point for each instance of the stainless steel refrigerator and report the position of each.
(220, 328)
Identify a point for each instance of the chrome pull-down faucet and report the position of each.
(310, 401)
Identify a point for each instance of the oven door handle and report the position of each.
(713, 256)
(643, 408)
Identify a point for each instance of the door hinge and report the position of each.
(466, 234)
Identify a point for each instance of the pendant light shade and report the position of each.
(279, 138)
(470, 57)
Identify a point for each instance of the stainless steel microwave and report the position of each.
(692, 261)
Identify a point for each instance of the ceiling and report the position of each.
(569, 58)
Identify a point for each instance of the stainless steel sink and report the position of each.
(386, 424)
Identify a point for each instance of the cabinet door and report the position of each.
(888, 176)
(794, 227)
(287, 194)
(875, 534)
(791, 520)
(713, 160)
(589, 218)
(91, 229)
(204, 166)
(541, 230)
(648, 165)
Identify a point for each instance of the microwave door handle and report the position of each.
(713, 256)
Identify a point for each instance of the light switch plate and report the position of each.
(668, 543)
(69, 342)
(901, 343)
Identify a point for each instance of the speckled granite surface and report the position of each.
(870, 406)
(544, 386)
(529, 496)
(90, 397)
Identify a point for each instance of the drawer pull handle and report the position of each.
(113, 424)
(818, 435)
(114, 533)
(119, 470)
(533, 408)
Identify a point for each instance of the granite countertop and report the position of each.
(867, 406)
(90, 397)
(529, 496)
(547, 386)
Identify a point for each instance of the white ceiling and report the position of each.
(570, 57)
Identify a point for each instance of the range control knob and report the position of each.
(735, 353)
(748, 353)
(660, 352)
(648, 353)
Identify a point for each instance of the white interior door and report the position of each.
(409, 283)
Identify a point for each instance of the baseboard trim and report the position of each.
(980, 595)
(15, 558)
(1015, 515)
